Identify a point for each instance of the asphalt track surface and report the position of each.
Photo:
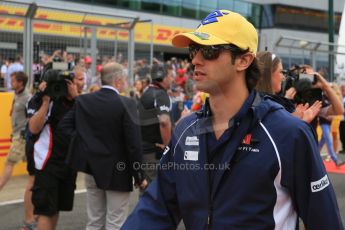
(11, 212)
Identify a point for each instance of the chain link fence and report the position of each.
(37, 32)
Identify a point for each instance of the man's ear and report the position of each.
(244, 61)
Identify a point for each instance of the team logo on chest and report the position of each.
(192, 141)
(246, 144)
(247, 139)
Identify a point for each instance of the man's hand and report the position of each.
(72, 89)
(320, 81)
(290, 93)
(161, 146)
(144, 184)
(42, 86)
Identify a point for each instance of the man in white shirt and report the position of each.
(14, 67)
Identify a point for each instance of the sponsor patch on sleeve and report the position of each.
(317, 186)
(164, 108)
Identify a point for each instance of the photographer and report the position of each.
(331, 105)
(54, 184)
(271, 80)
(334, 105)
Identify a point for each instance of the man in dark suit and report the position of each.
(105, 144)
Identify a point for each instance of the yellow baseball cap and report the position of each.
(221, 27)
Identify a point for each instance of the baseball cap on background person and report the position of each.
(219, 28)
(99, 68)
(181, 71)
(87, 59)
(158, 72)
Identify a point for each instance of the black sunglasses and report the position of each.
(208, 52)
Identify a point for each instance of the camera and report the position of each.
(305, 93)
(303, 83)
(309, 77)
(56, 83)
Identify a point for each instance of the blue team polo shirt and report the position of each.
(214, 146)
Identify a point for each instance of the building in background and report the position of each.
(305, 20)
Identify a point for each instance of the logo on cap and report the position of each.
(212, 17)
(201, 36)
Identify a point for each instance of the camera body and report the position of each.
(303, 83)
(56, 83)
(309, 77)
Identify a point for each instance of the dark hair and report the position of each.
(20, 77)
(158, 72)
(266, 66)
(252, 72)
(303, 68)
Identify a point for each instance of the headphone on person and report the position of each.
(158, 72)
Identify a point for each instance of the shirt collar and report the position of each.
(206, 113)
(145, 89)
(111, 88)
(245, 106)
(20, 91)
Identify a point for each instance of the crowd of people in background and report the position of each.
(183, 95)
(182, 91)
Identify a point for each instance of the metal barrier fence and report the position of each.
(35, 31)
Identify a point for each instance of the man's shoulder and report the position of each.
(153, 93)
(85, 96)
(281, 119)
(273, 113)
(161, 91)
(127, 100)
(22, 98)
(15, 66)
(4, 67)
(186, 122)
(155, 90)
(91, 96)
(25, 95)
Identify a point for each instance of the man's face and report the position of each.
(81, 63)
(213, 75)
(79, 81)
(87, 65)
(138, 85)
(168, 80)
(70, 58)
(121, 84)
(309, 70)
(16, 85)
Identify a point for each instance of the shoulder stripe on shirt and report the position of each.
(284, 214)
(273, 143)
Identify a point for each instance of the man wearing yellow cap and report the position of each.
(243, 161)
